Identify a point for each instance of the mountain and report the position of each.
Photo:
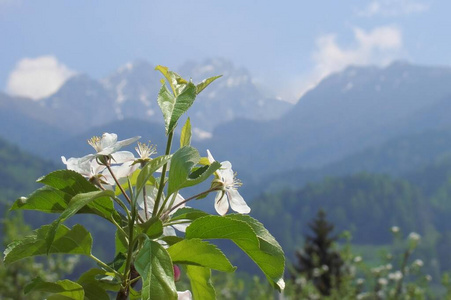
(131, 92)
(80, 103)
(26, 123)
(134, 88)
(347, 112)
(19, 171)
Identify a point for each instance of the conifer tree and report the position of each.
(318, 260)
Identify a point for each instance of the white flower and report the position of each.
(394, 229)
(357, 259)
(108, 144)
(86, 166)
(227, 179)
(186, 295)
(90, 168)
(382, 281)
(174, 200)
(395, 276)
(418, 263)
(413, 236)
(145, 151)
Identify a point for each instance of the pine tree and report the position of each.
(318, 261)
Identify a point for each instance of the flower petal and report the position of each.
(122, 156)
(210, 157)
(237, 202)
(221, 203)
(186, 295)
(182, 227)
(108, 140)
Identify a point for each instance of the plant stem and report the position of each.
(189, 199)
(123, 293)
(118, 184)
(104, 265)
(163, 175)
(403, 272)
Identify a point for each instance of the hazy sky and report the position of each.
(286, 45)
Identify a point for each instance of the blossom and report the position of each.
(185, 295)
(395, 276)
(394, 229)
(108, 144)
(89, 167)
(85, 166)
(229, 185)
(413, 236)
(174, 200)
(418, 263)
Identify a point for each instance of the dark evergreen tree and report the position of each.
(318, 261)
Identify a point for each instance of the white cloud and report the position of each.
(393, 8)
(38, 77)
(379, 46)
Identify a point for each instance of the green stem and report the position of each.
(104, 265)
(189, 199)
(163, 175)
(403, 273)
(131, 245)
(118, 184)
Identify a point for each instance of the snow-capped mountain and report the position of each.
(134, 88)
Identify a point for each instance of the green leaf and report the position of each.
(154, 264)
(148, 170)
(118, 261)
(206, 82)
(273, 255)
(201, 286)
(153, 227)
(62, 186)
(182, 103)
(45, 199)
(69, 241)
(121, 242)
(175, 105)
(199, 253)
(188, 213)
(255, 243)
(171, 240)
(166, 101)
(78, 202)
(94, 289)
(185, 137)
(182, 164)
(176, 82)
(62, 289)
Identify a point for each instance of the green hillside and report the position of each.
(19, 171)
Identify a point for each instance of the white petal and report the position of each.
(111, 148)
(210, 157)
(181, 227)
(237, 202)
(108, 140)
(128, 141)
(169, 231)
(122, 156)
(186, 295)
(226, 173)
(221, 204)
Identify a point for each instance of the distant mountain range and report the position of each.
(347, 112)
(350, 111)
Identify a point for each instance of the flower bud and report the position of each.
(176, 273)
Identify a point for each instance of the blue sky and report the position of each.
(288, 46)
